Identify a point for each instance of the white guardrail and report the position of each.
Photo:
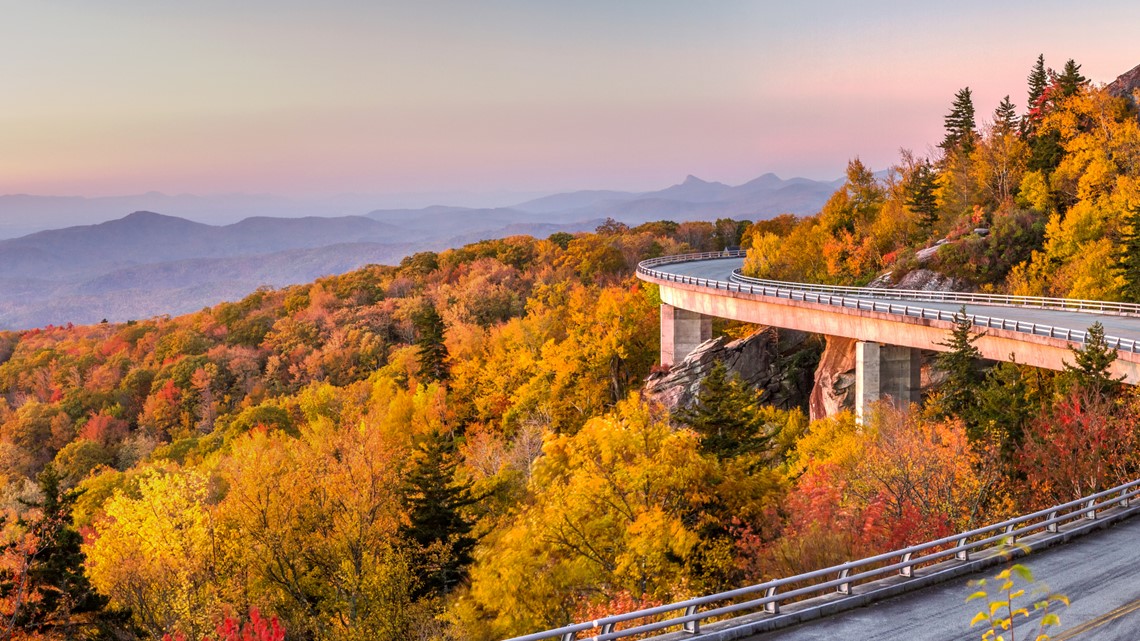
(687, 615)
(871, 298)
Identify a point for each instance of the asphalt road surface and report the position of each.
(1099, 572)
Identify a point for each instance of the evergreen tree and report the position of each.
(960, 124)
(725, 415)
(1038, 81)
(921, 196)
(437, 525)
(51, 596)
(1127, 262)
(432, 353)
(1091, 363)
(963, 376)
(1006, 404)
(1070, 80)
(1005, 117)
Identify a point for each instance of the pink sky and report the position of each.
(121, 97)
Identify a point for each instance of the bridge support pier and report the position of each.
(681, 332)
(886, 371)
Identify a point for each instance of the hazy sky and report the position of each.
(314, 98)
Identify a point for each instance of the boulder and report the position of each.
(778, 363)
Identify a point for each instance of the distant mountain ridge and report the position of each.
(148, 263)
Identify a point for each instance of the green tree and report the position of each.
(1070, 80)
(921, 195)
(1038, 81)
(725, 415)
(963, 376)
(1092, 363)
(1128, 257)
(960, 124)
(1005, 117)
(431, 353)
(47, 590)
(437, 523)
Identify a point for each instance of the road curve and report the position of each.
(1125, 327)
(1098, 572)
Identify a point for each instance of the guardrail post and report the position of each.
(1090, 512)
(844, 588)
(962, 553)
(773, 606)
(908, 569)
(1054, 526)
(1125, 500)
(569, 636)
(608, 628)
(693, 626)
(1009, 532)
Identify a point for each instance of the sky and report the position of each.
(310, 99)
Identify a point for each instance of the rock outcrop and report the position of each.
(1126, 84)
(778, 363)
(834, 389)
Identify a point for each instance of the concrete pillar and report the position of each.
(681, 332)
(886, 372)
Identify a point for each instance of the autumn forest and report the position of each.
(458, 447)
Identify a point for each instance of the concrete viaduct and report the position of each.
(890, 326)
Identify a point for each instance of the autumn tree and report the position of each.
(1038, 80)
(438, 523)
(1083, 445)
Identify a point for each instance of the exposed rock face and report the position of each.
(1124, 85)
(925, 280)
(834, 389)
(779, 363)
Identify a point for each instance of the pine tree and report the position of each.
(52, 596)
(437, 524)
(963, 376)
(921, 196)
(1092, 362)
(1070, 80)
(725, 416)
(1127, 262)
(1038, 81)
(960, 124)
(1005, 117)
(431, 351)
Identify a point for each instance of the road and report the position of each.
(1118, 326)
(1098, 572)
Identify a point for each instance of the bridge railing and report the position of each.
(1039, 302)
(688, 615)
(878, 300)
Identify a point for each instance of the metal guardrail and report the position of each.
(842, 578)
(867, 298)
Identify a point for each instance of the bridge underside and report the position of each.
(889, 343)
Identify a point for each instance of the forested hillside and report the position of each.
(1041, 203)
(456, 447)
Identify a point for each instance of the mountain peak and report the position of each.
(693, 180)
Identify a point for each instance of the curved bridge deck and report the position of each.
(1035, 332)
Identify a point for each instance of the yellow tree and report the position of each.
(606, 513)
(163, 555)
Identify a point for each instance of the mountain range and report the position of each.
(146, 263)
